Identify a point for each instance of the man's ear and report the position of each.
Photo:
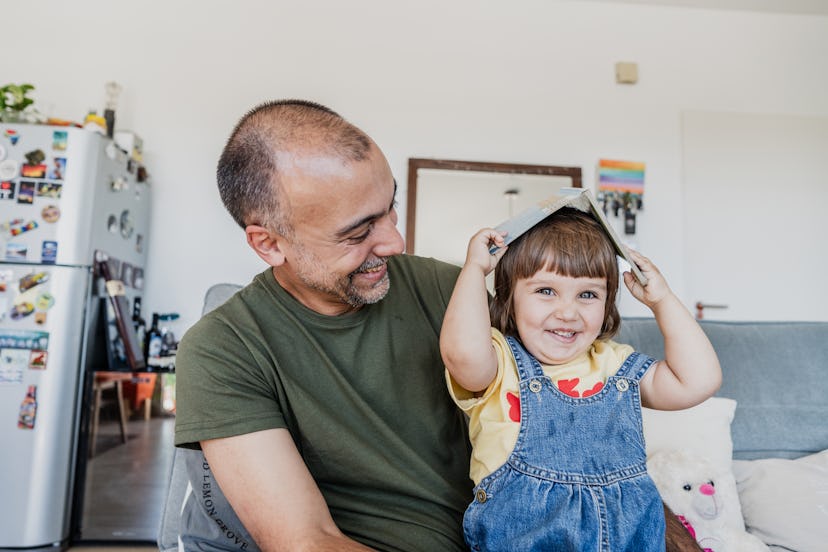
(267, 245)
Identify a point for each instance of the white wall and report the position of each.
(521, 81)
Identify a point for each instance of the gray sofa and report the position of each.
(776, 371)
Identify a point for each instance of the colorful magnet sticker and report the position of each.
(5, 277)
(28, 409)
(12, 135)
(48, 252)
(49, 189)
(8, 169)
(7, 226)
(17, 230)
(40, 318)
(12, 364)
(26, 192)
(31, 280)
(44, 301)
(7, 189)
(58, 168)
(60, 139)
(2, 152)
(33, 171)
(21, 310)
(24, 339)
(37, 360)
(50, 213)
(16, 251)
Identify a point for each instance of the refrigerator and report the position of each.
(67, 196)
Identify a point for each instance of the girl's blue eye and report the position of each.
(589, 295)
(545, 291)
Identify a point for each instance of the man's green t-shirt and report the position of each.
(362, 394)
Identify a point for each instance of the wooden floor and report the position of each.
(125, 485)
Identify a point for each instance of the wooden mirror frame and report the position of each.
(415, 164)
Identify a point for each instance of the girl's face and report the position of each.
(558, 317)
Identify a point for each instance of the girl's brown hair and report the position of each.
(569, 242)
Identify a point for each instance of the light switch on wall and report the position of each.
(626, 72)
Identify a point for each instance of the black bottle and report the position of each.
(154, 339)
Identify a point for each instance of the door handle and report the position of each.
(701, 306)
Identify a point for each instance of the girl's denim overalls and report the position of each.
(576, 479)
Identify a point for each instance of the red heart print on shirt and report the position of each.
(567, 386)
(514, 406)
(595, 388)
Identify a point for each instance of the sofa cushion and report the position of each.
(776, 371)
(783, 501)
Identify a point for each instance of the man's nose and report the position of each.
(389, 241)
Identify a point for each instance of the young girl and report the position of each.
(554, 405)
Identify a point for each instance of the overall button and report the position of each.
(622, 385)
(535, 386)
(481, 496)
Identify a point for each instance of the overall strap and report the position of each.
(635, 366)
(528, 367)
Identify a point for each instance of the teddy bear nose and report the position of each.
(707, 489)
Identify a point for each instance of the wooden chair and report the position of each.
(102, 382)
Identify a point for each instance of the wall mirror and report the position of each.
(450, 200)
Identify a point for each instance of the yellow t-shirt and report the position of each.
(494, 417)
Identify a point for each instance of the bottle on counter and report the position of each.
(139, 324)
(154, 339)
(28, 409)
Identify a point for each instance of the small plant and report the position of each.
(14, 101)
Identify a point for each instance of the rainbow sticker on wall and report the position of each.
(621, 177)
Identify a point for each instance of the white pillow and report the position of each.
(785, 502)
(703, 430)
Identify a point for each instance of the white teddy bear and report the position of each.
(687, 484)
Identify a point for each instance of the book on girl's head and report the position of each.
(578, 198)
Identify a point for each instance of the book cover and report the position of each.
(578, 198)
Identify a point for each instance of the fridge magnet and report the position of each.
(12, 135)
(126, 274)
(16, 251)
(26, 192)
(4, 303)
(5, 277)
(23, 339)
(44, 301)
(11, 366)
(8, 169)
(60, 139)
(48, 252)
(112, 224)
(50, 213)
(49, 189)
(7, 226)
(29, 281)
(17, 230)
(21, 310)
(139, 243)
(37, 360)
(138, 278)
(35, 157)
(2, 152)
(40, 318)
(28, 409)
(7, 189)
(58, 169)
(33, 171)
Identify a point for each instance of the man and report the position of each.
(317, 392)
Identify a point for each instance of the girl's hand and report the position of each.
(478, 252)
(656, 288)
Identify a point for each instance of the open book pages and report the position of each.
(578, 198)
